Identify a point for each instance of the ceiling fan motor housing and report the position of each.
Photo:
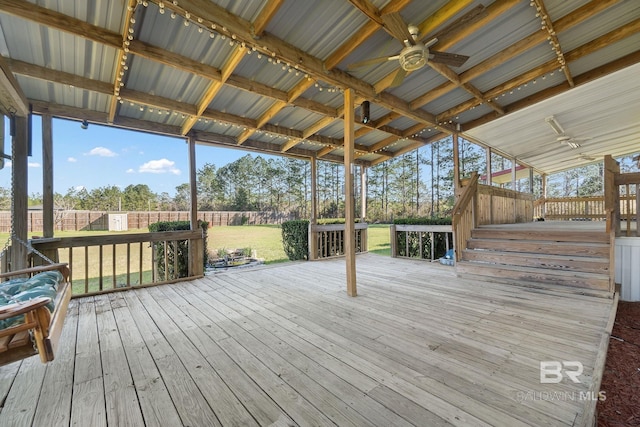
(413, 57)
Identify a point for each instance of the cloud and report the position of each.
(159, 166)
(130, 171)
(71, 159)
(102, 152)
(34, 164)
(9, 163)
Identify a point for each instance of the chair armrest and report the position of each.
(19, 308)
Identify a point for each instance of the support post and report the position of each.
(196, 247)
(456, 162)
(313, 240)
(488, 172)
(513, 187)
(349, 226)
(314, 190)
(47, 177)
(544, 195)
(363, 193)
(20, 175)
(531, 180)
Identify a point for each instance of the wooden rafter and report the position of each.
(547, 25)
(118, 75)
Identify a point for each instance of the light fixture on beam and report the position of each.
(554, 125)
(84, 124)
(366, 118)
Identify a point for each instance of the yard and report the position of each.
(266, 240)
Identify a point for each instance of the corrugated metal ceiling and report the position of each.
(173, 62)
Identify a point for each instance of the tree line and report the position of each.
(419, 183)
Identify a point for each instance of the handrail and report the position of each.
(468, 191)
(462, 229)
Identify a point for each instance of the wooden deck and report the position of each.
(285, 345)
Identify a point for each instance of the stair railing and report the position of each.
(463, 216)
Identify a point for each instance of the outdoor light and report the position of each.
(85, 124)
(365, 112)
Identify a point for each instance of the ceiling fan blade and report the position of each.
(399, 77)
(371, 61)
(447, 58)
(394, 23)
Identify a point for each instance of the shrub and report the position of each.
(409, 246)
(179, 267)
(295, 239)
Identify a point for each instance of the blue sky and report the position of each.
(102, 155)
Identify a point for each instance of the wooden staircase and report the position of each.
(579, 259)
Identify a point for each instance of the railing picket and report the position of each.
(128, 265)
(100, 263)
(140, 265)
(86, 269)
(113, 267)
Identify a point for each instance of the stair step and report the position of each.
(547, 235)
(600, 250)
(598, 265)
(512, 274)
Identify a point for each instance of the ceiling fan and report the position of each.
(563, 138)
(415, 54)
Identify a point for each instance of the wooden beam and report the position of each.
(12, 99)
(47, 177)
(59, 21)
(214, 87)
(553, 38)
(349, 220)
(563, 24)
(119, 72)
(618, 64)
(267, 13)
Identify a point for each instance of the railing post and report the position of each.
(393, 241)
(313, 243)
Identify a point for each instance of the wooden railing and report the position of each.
(463, 219)
(619, 207)
(584, 208)
(328, 240)
(479, 204)
(420, 241)
(107, 263)
(503, 206)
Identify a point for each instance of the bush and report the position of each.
(295, 239)
(409, 246)
(179, 248)
(423, 221)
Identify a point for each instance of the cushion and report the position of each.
(44, 284)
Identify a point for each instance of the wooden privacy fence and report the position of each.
(328, 240)
(420, 241)
(99, 220)
(107, 263)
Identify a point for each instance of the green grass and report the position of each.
(379, 242)
(266, 240)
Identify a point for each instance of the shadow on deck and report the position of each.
(284, 345)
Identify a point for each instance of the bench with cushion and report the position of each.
(32, 311)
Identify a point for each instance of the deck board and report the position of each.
(286, 346)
